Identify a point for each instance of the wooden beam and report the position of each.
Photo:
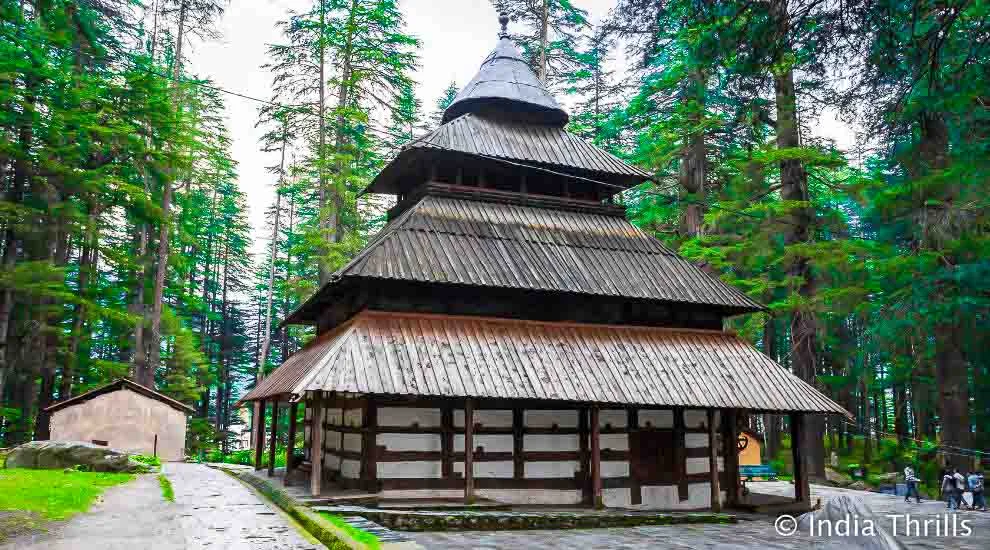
(468, 451)
(316, 447)
(259, 432)
(518, 462)
(369, 466)
(680, 455)
(273, 439)
(730, 455)
(596, 460)
(716, 499)
(290, 447)
(447, 436)
(632, 428)
(585, 455)
(802, 486)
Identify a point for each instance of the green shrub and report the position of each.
(147, 460)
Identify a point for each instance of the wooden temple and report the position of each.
(510, 336)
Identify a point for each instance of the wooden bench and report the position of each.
(765, 471)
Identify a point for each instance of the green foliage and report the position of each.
(368, 539)
(148, 460)
(167, 492)
(54, 494)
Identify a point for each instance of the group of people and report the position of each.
(954, 485)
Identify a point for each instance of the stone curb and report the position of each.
(519, 521)
(329, 534)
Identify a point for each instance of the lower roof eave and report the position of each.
(500, 402)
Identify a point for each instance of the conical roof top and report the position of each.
(505, 82)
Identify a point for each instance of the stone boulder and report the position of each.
(57, 455)
(846, 522)
(837, 479)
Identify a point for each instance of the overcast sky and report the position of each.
(456, 36)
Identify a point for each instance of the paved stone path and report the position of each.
(211, 511)
(758, 534)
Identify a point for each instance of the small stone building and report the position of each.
(126, 416)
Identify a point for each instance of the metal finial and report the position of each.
(503, 19)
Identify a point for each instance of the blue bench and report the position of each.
(765, 471)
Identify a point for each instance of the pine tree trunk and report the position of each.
(694, 159)
(324, 270)
(794, 187)
(541, 69)
(147, 376)
(953, 387)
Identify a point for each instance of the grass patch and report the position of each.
(364, 537)
(53, 494)
(167, 492)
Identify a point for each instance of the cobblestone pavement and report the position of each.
(753, 534)
(211, 511)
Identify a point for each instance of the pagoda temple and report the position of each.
(510, 336)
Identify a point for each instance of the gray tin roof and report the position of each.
(505, 82)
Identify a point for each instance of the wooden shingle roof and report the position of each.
(460, 241)
(483, 357)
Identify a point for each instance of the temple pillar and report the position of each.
(273, 439)
(596, 459)
(468, 451)
(290, 446)
(259, 432)
(316, 447)
(716, 493)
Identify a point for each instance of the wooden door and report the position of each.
(652, 457)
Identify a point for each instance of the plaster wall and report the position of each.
(127, 421)
(409, 416)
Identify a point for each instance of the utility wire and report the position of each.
(670, 199)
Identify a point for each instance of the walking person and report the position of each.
(912, 484)
(975, 480)
(960, 488)
(949, 489)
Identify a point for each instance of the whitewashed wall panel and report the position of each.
(492, 443)
(353, 417)
(498, 469)
(695, 419)
(548, 418)
(352, 442)
(550, 442)
(615, 468)
(612, 418)
(331, 440)
(334, 417)
(617, 498)
(555, 469)
(409, 442)
(697, 465)
(411, 469)
(656, 418)
(615, 442)
(488, 418)
(695, 441)
(409, 416)
(350, 469)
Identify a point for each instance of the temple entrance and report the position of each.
(652, 457)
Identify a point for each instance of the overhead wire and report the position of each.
(671, 199)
